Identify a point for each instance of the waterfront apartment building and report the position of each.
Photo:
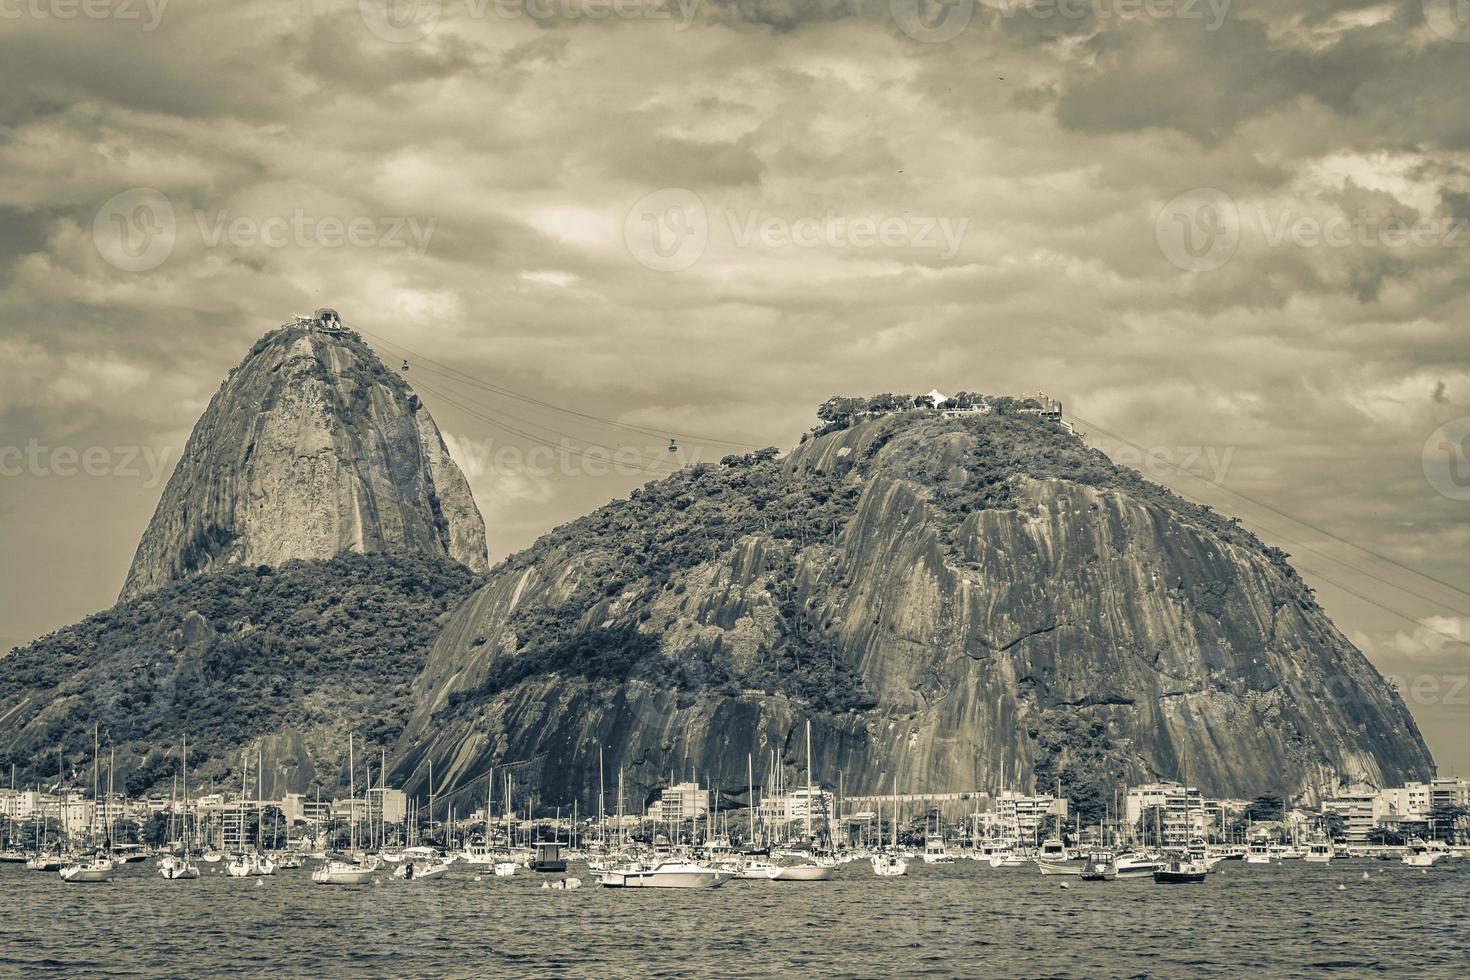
(682, 801)
(386, 805)
(1182, 812)
(1021, 817)
(796, 805)
(1361, 810)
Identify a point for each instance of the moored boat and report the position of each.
(343, 873)
(1182, 871)
(664, 874)
(889, 865)
(92, 870)
(415, 871)
(1099, 866)
(1424, 854)
(172, 867)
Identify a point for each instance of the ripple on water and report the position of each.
(1288, 920)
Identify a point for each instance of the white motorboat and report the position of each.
(1139, 865)
(1259, 852)
(415, 871)
(935, 851)
(248, 865)
(753, 870)
(815, 871)
(172, 867)
(1425, 854)
(505, 869)
(665, 874)
(479, 854)
(46, 862)
(343, 873)
(92, 870)
(1320, 852)
(889, 865)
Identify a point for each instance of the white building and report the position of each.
(796, 805)
(1020, 817)
(682, 801)
(1181, 812)
(1361, 809)
(386, 805)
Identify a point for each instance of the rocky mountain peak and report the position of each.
(311, 447)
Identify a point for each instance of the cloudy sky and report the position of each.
(1229, 234)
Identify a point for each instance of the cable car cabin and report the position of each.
(548, 858)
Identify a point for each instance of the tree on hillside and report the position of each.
(1266, 808)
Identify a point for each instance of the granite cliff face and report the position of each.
(976, 602)
(310, 448)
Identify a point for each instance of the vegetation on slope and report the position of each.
(227, 657)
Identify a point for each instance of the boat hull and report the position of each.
(80, 875)
(649, 879)
(804, 872)
(1179, 877)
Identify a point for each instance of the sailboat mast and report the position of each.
(188, 833)
(808, 780)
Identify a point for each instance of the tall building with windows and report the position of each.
(1179, 810)
(1021, 817)
(682, 801)
(386, 805)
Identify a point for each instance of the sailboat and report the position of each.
(178, 867)
(889, 864)
(98, 867)
(816, 870)
(344, 872)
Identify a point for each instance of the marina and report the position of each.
(1287, 919)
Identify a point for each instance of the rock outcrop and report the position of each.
(968, 603)
(310, 448)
